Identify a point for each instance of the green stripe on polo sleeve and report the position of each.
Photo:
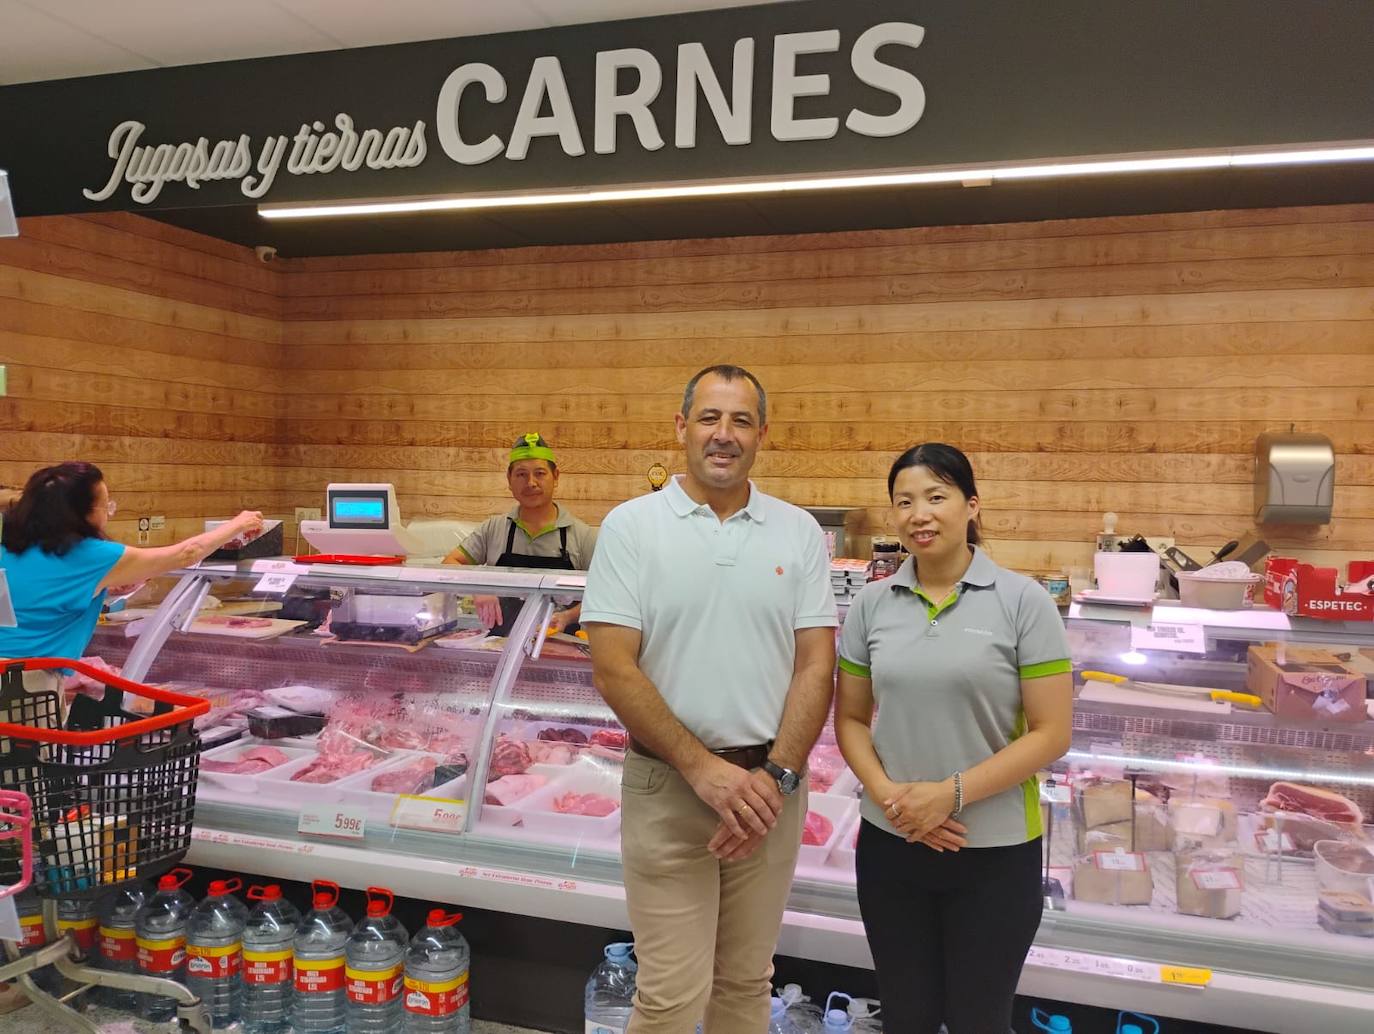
(468, 555)
(1039, 671)
(857, 670)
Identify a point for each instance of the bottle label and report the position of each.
(34, 936)
(319, 975)
(118, 945)
(161, 956)
(85, 932)
(600, 1028)
(375, 986)
(214, 963)
(267, 967)
(437, 999)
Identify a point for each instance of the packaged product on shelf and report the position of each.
(1107, 803)
(1202, 822)
(1307, 814)
(277, 723)
(1346, 913)
(1149, 832)
(1344, 866)
(511, 788)
(1305, 683)
(1113, 877)
(1210, 882)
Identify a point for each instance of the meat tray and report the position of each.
(842, 854)
(589, 775)
(509, 814)
(248, 783)
(356, 791)
(840, 811)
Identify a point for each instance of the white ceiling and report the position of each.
(59, 39)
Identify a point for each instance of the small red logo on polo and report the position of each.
(778, 569)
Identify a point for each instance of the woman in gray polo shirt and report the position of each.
(968, 665)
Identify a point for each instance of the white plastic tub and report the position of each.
(538, 813)
(1130, 575)
(1344, 865)
(247, 783)
(1212, 592)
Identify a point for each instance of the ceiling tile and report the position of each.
(174, 32)
(35, 46)
(364, 24)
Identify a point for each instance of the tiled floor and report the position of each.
(29, 1021)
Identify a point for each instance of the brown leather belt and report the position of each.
(744, 757)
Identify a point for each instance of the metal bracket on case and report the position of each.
(175, 613)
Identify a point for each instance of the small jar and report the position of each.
(887, 557)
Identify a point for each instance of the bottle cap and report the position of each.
(174, 879)
(619, 950)
(379, 902)
(438, 917)
(326, 893)
(837, 1019)
(271, 892)
(221, 888)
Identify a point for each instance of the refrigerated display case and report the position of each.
(453, 766)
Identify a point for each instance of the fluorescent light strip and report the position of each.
(1245, 771)
(1106, 167)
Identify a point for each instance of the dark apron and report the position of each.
(510, 605)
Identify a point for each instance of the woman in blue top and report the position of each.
(59, 563)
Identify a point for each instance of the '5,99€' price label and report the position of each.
(332, 821)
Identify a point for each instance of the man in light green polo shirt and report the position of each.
(536, 533)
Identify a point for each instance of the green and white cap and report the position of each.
(531, 447)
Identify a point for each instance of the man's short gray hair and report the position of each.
(728, 373)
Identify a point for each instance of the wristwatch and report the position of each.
(788, 779)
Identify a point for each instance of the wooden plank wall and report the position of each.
(1121, 364)
(150, 351)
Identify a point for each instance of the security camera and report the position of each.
(265, 252)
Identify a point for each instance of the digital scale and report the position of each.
(362, 521)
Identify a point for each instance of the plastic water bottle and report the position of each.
(376, 957)
(864, 1013)
(778, 1022)
(267, 970)
(318, 1006)
(801, 1013)
(609, 998)
(160, 926)
(1053, 1023)
(837, 1019)
(1126, 1023)
(436, 991)
(79, 918)
(214, 951)
(118, 943)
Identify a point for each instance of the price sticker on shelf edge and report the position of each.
(1216, 879)
(1188, 976)
(332, 821)
(276, 583)
(438, 814)
(1119, 861)
(1270, 840)
(1169, 635)
(1059, 793)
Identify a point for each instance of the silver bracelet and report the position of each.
(958, 794)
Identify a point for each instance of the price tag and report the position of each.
(1216, 879)
(1119, 861)
(276, 567)
(434, 813)
(572, 581)
(1168, 635)
(1270, 841)
(1060, 793)
(275, 584)
(337, 821)
(1186, 975)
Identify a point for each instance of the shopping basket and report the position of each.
(113, 793)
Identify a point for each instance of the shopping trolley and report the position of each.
(90, 804)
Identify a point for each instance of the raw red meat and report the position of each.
(614, 738)
(250, 762)
(1310, 800)
(563, 735)
(823, 767)
(544, 752)
(508, 757)
(594, 804)
(414, 777)
(511, 788)
(564, 651)
(328, 768)
(817, 830)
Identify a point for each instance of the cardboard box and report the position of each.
(1305, 683)
(1312, 592)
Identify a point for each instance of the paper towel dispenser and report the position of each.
(1295, 478)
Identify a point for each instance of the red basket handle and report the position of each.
(184, 708)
